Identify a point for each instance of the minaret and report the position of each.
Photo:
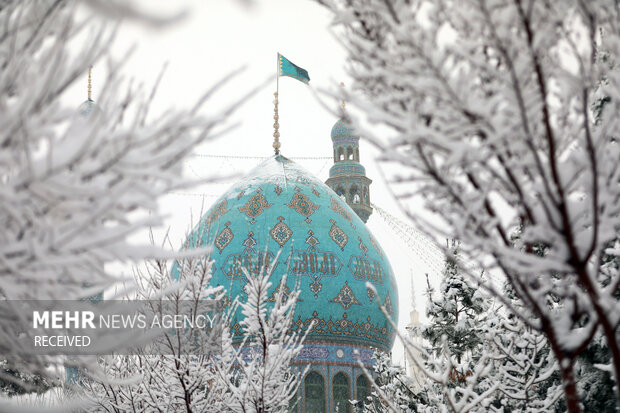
(89, 105)
(414, 330)
(347, 177)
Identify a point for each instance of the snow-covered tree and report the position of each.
(196, 372)
(175, 371)
(261, 378)
(456, 317)
(392, 389)
(491, 104)
(76, 184)
(524, 364)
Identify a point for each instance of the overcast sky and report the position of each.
(217, 37)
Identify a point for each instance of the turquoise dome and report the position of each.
(341, 130)
(280, 214)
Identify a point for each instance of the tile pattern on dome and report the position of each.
(303, 205)
(286, 293)
(313, 263)
(336, 207)
(345, 297)
(375, 244)
(281, 232)
(371, 294)
(362, 246)
(311, 240)
(224, 238)
(249, 243)
(316, 287)
(277, 190)
(380, 333)
(250, 261)
(217, 211)
(255, 206)
(388, 305)
(337, 235)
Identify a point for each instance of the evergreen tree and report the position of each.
(457, 315)
(393, 389)
(14, 382)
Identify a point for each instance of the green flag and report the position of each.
(287, 68)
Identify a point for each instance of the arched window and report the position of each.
(363, 390)
(341, 193)
(314, 389)
(340, 154)
(354, 193)
(349, 153)
(366, 195)
(341, 393)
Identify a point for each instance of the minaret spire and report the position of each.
(90, 83)
(413, 301)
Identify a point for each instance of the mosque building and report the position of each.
(282, 217)
(314, 232)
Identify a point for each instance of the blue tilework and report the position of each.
(280, 214)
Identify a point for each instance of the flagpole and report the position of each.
(276, 125)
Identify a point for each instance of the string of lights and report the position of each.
(303, 158)
(426, 249)
(419, 243)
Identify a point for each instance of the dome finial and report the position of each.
(343, 104)
(90, 82)
(276, 125)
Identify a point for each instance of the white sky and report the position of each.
(219, 36)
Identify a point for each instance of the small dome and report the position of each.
(87, 107)
(342, 130)
(281, 215)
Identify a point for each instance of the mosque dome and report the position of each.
(281, 214)
(342, 131)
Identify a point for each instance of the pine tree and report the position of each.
(393, 389)
(456, 316)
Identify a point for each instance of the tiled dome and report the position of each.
(280, 212)
(342, 130)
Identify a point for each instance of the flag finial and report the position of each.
(276, 125)
(90, 82)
